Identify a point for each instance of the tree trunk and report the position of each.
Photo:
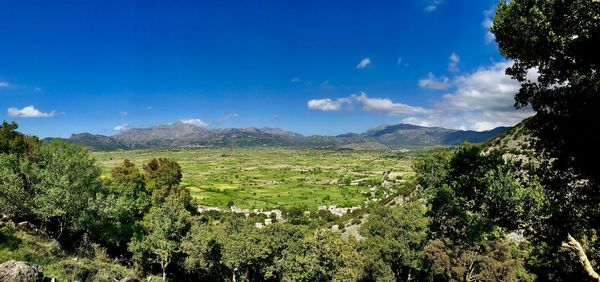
(164, 262)
(583, 259)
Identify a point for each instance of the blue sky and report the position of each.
(314, 67)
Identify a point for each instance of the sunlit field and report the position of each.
(269, 178)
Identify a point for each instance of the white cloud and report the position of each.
(453, 62)
(121, 127)
(149, 108)
(195, 121)
(364, 63)
(432, 5)
(124, 114)
(431, 82)
(328, 104)
(28, 112)
(381, 105)
(3, 84)
(487, 88)
(384, 105)
(295, 79)
(482, 100)
(399, 62)
(487, 24)
(227, 117)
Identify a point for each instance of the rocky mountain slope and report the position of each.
(188, 135)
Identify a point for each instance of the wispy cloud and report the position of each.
(3, 84)
(121, 127)
(29, 112)
(295, 79)
(487, 24)
(195, 121)
(432, 82)
(365, 103)
(386, 106)
(432, 5)
(124, 114)
(326, 85)
(453, 62)
(480, 100)
(328, 104)
(364, 63)
(227, 117)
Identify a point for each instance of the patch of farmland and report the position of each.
(274, 177)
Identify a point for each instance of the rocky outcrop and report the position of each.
(19, 271)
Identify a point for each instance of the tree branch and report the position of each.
(583, 259)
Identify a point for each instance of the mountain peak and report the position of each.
(184, 134)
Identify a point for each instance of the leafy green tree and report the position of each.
(476, 193)
(277, 239)
(122, 203)
(161, 173)
(560, 39)
(14, 142)
(15, 190)
(323, 256)
(162, 178)
(493, 260)
(162, 231)
(65, 179)
(203, 253)
(477, 199)
(243, 253)
(396, 236)
(128, 181)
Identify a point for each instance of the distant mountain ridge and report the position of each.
(188, 135)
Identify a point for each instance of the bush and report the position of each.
(78, 269)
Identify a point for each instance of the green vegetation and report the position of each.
(275, 177)
(471, 213)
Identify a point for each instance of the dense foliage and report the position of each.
(143, 219)
(559, 39)
(469, 218)
(472, 213)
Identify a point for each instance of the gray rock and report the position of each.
(19, 271)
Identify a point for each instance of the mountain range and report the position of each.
(181, 134)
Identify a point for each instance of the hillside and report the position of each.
(188, 135)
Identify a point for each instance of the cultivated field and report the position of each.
(277, 177)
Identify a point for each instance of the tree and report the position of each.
(322, 256)
(491, 260)
(476, 193)
(559, 39)
(163, 230)
(203, 252)
(396, 236)
(128, 181)
(65, 179)
(15, 190)
(14, 142)
(477, 199)
(162, 172)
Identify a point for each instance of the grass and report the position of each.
(38, 250)
(274, 177)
